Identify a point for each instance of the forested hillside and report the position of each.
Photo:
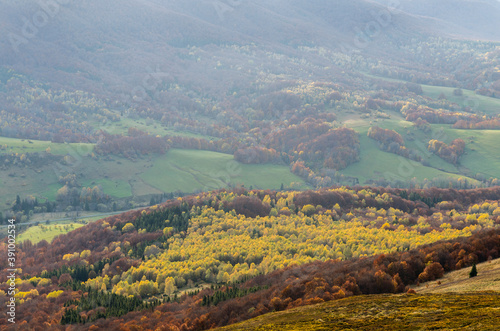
(225, 256)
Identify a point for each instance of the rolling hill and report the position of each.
(454, 301)
(106, 45)
(396, 312)
(458, 281)
(461, 19)
(223, 257)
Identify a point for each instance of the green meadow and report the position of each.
(192, 170)
(14, 145)
(118, 188)
(41, 232)
(375, 163)
(478, 103)
(482, 150)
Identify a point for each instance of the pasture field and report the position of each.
(48, 232)
(375, 163)
(14, 145)
(118, 188)
(482, 151)
(192, 170)
(478, 103)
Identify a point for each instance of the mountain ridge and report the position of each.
(78, 33)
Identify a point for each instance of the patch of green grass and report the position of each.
(478, 103)
(386, 312)
(375, 163)
(419, 141)
(178, 170)
(50, 191)
(46, 232)
(191, 170)
(482, 154)
(14, 145)
(42, 183)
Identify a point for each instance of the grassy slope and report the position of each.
(46, 232)
(487, 279)
(150, 126)
(190, 170)
(478, 103)
(25, 181)
(42, 182)
(389, 312)
(118, 188)
(483, 104)
(49, 231)
(448, 305)
(375, 163)
(482, 153)
(29, 146)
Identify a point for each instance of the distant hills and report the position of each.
(462, 19)
(108, 42)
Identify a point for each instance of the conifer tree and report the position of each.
(473, 272)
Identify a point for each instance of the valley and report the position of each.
(249, 165)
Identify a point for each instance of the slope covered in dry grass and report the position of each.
(387, 312)
(487, 279)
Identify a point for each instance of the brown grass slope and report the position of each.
(487, 279)
(389, 312)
